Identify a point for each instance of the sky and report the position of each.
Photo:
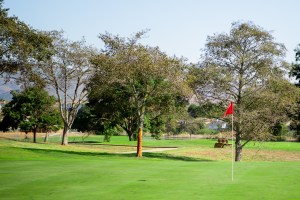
(178, 27)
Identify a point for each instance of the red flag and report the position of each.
(229, 110)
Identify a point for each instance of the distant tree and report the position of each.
(279, 129)
(134, 75)
(20, 46)
(295, 72)
(246, 67)
(111, 107)
(26, 127)
(86, 121)
(206, 109)
(50, 121)
(67, 73)
(28, 108)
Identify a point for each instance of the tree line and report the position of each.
(130, 86)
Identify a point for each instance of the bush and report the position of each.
(157, 135)
(108, 132)
(279, 138)
(279, 129)
(206, 131)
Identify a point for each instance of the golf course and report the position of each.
(92, 169)
(149, 100)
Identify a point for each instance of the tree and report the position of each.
(67, 73)
(135, 74)
(28, 108)
(20, 46)
(85, 121)
(25, 126)
(50, 121)
(295, 72)
(246, 67)
(206, 109)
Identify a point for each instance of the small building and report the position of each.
(217, 125)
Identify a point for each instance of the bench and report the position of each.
(221, 143)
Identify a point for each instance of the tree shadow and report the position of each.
(118, 145)
(123, 155)
(84, 142)
(173, 157)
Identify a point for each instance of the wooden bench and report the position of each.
(221, 143)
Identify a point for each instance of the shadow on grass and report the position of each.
(130, 155)
(117, 145)
(84, 142)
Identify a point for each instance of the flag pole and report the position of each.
(232, 152)
(229, 111)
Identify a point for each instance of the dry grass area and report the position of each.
(247, 154)
(21, 135)
(83, 147)
(198, 152)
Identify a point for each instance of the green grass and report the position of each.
(147, 141)
(51, 171)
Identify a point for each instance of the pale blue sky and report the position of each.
(178, 27)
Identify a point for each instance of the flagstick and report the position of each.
(232, 148)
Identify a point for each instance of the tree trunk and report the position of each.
(130, 136)
(238, 148)
(34, 135)
(139, 144)
(46, 137)
(65, 136)
(129, 133)
(140, 132)
(26, 136)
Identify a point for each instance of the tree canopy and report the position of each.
(295, 72)
(138, 87)
(246, 67)
(30, 109)
(20, 46)
(67, 73)
(137, 78)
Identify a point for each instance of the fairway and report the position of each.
(38, 171)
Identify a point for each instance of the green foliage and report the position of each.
(279, 129)
(206, 131)
(25, 126)
(157, 127)
(51, 121)
(132, 79)
(295, 72)
(21, 46)
(246, 67)
(206, 109)
(31, 109)
(85, 121)
(108, 132)
(194, 110)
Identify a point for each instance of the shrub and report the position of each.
(206, 131)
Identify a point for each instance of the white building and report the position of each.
(217, 125)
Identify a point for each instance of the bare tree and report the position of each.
(67, 73)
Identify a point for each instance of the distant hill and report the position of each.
(6, 88)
